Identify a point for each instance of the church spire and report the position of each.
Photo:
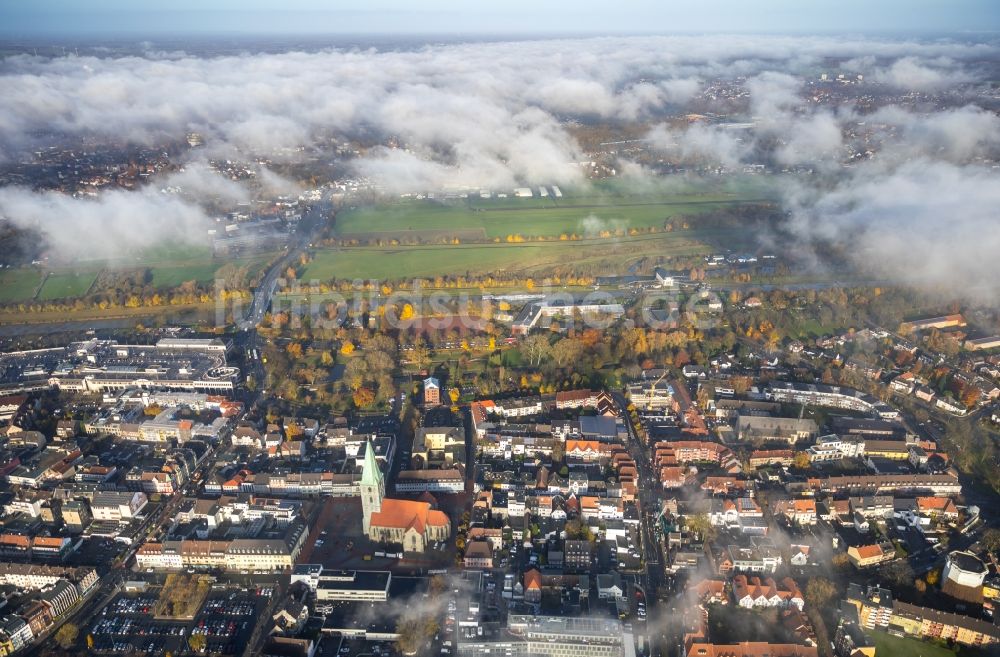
(371, 475)
(372, 487)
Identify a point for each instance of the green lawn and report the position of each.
(423, 261)
(66, 285)
(887, 645)
(18, 284)
(202, 270)
(586, 214)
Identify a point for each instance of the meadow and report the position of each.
(397, 262)
(168, 267)
(585, 212)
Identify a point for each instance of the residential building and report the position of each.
(941, 625)
(114, 506)
(866, 556)
(432, 391)
(797, 511)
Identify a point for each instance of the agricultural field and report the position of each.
(67, 284)
(585, 212)
(396, 262)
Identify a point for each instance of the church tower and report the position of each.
(372, 487)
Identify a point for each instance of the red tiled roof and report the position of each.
(403, 514)
(532, 580)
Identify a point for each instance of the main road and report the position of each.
(649, 510)
(247, 337)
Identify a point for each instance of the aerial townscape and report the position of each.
(500, 330)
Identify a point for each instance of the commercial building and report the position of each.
(171, 364)
(552, 636)
(433, 481)
(249, 554)
(204, 345)
(344, 585)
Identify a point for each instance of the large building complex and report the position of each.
(94, 365)
(241, 554)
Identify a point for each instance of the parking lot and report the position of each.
(127, 625)
(226, 620)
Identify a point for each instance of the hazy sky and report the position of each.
(20, 18)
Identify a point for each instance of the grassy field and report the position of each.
(584, 212)
(202, 270)
(172, 276)
(422, 261)
(185, 314)
(18, 284)
(887, 645)
(68, 284)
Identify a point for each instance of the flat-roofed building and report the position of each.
(207, 345)
(816, 394)
(115, 506)
(353, 585)
(434, 481)
(553, 636)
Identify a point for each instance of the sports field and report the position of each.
(585, 212)
(68, 284)
(18, 284)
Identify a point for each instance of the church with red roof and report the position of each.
(411, 523)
